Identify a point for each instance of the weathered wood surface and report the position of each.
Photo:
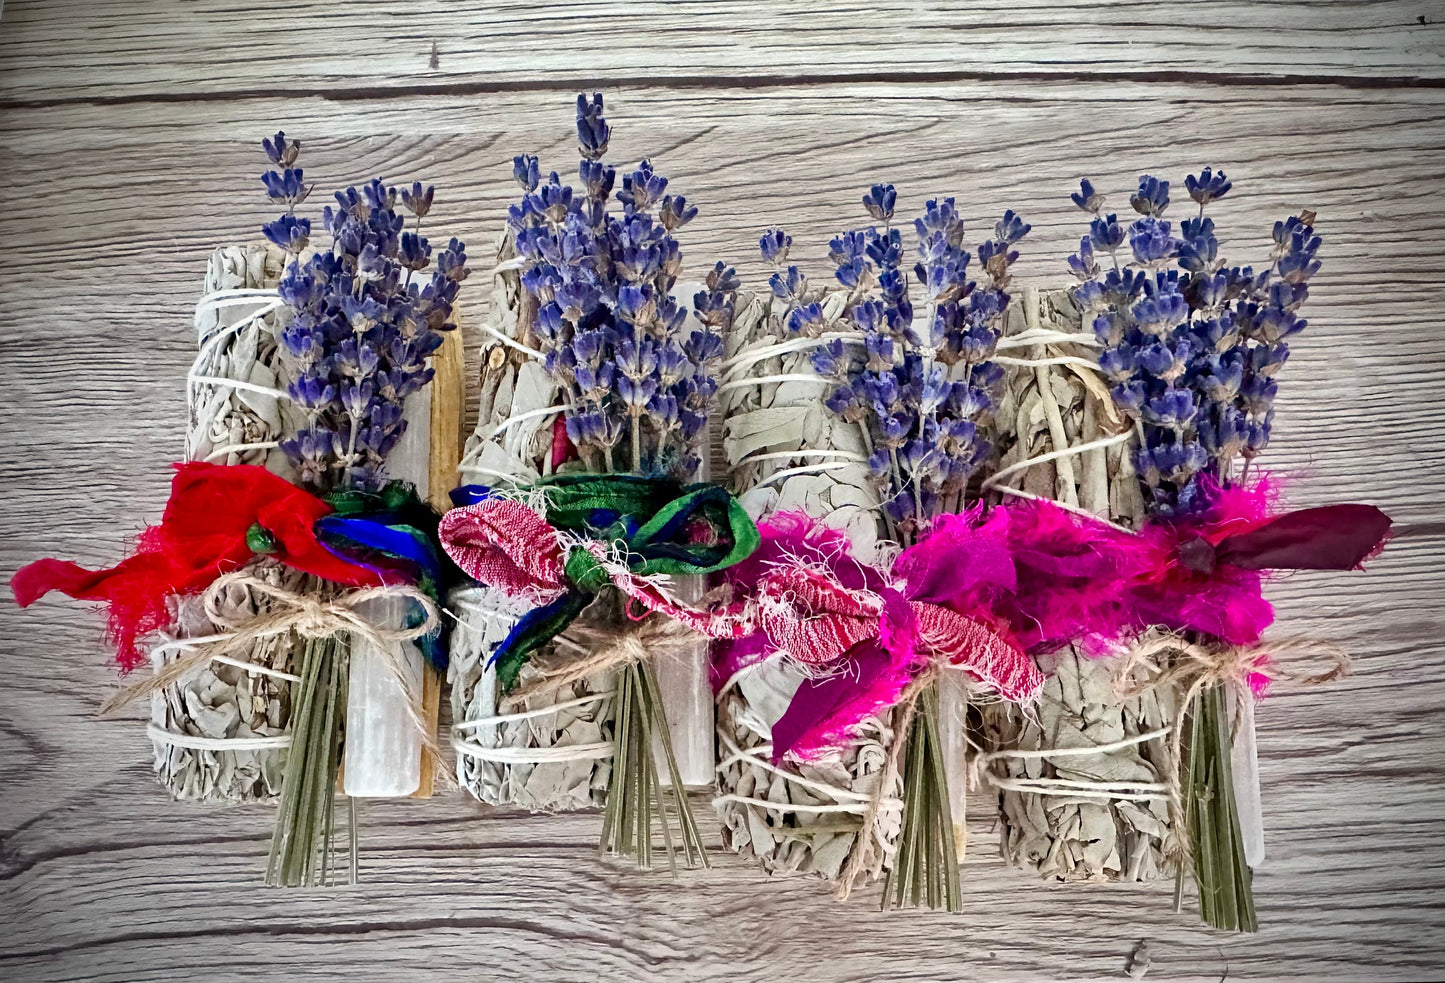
(119, 183)
(145, 49)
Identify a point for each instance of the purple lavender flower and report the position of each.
(1207, 186)
(593, 133)
(360, 330)
(1152, 198)
(1151, 242)
(879, 202)
(614, 336)
(774, 246)
(1193, 350)
(1087, 198)
(923, 387)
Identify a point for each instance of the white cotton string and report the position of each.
(751, 356)
(214, 335)
(534, 755)
(194, 743)
(818, 468)
(754, 757)
(189, 644)
(1047, 336)
(763, 380)
(218, 299)
(1051, 360)
(511, 342)
(221, 452)
(507, 718)
(857, 808)
(789, 455)
(1083, 791)
(1135, 791)
(1020, 493)
(1092, 445)
(509, 421)
(216, 380)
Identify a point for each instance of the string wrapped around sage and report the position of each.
(787, 452)
(221, 731)
(1075, 814)
(589, 533)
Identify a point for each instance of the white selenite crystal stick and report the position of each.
(683, 678)
(383, 744)
(952, 710)
(1244, 767)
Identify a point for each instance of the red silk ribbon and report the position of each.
(202, 534)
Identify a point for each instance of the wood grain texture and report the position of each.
(112, 210)
(150, 49)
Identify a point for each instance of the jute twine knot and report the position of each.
(286, 611)
(613, 647)
(1169, 660)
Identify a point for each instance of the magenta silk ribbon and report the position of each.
(982, 591)
(862, 635)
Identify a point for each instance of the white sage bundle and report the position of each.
(548, 752)
(218, 732)
(1083, 782)
(786, 451)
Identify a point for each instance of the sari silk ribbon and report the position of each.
(986, 590)
(1206, 573)
(623, 531)
(862, 635)
(219, 518)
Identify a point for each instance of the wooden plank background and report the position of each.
(129, 151)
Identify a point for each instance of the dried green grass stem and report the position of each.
(925, 868)
(301, 846)
(1226, 897)
(635, 796)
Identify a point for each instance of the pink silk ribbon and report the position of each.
(510, 546)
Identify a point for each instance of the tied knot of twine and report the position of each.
(285, 611)
(312, 615)
(1168, 660)
(613, 647)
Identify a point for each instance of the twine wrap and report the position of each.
(291, 612)
(1169, 662)
(604, 651)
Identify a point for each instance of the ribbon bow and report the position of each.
(1205, 574)
(863, 635)
(219, 518)
(624, 531)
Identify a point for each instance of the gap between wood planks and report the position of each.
(574, 83)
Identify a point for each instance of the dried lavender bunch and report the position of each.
(362, 324)
(1192, 344)
(614, 336)
(924, 388)
(598, 304)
